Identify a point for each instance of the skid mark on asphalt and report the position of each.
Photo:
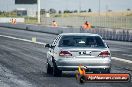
(7, 79)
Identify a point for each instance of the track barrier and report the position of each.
(106, 33)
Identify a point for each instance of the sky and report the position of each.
(114, 5)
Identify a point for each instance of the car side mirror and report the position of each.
(108, 46)
(48, 46)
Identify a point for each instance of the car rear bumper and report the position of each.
(89, 68)
(71, 65)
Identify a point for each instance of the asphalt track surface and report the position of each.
(22, 63)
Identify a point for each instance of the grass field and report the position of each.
(30, 20)
(109, 19)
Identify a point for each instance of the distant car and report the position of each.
(69, 50)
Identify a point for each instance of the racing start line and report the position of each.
(82, 76)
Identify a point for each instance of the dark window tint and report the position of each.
(25, 1)
(81, 41)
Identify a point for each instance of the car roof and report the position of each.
(79, 34)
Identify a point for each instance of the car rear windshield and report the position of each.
(81, 41)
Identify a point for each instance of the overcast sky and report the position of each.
(115, 5)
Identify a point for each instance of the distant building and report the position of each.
(25, 12)
(21, 12)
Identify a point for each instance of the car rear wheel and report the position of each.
(49, 69)
(106, 71)
(103, 71)
(82, 79)
(56, 71)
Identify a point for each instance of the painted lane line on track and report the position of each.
(40, 43)
(26, 40)
(127, 55)
(122, 60)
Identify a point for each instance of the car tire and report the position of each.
(56, 72)
(106, 71)
(82, 79)
(49, 69)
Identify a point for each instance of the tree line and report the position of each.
(53, 11)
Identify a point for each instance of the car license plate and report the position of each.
(85, 53)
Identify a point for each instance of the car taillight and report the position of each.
(65, 53)
(104, 54)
